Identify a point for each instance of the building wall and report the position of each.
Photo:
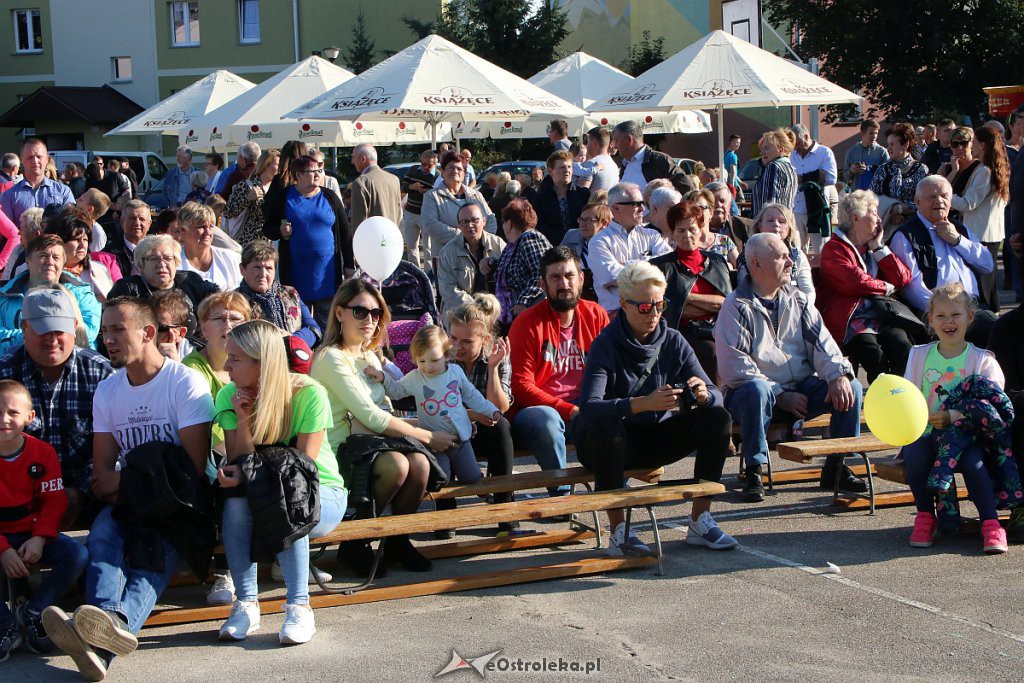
(80, 37)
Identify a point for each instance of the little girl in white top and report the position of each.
(442, 391)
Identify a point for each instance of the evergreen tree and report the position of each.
(644, 55)
(361, 54)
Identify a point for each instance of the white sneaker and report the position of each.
(277, 575)
(704, 531)
(222, 592)
(243, 622)
(298, 625)
(619, 545)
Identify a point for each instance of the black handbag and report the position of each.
(894, 313)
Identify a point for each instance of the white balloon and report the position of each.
(377, 247)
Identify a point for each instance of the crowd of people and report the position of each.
(616, 302)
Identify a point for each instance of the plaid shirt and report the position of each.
(477, 376)
(64, 409)
(518, 275)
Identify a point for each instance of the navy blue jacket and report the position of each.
(615, 362)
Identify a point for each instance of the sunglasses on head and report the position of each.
(360, 312)
(959, 143)
(648, 307)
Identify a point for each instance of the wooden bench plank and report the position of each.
(890, 499)
(802, 475)
(536, 479)
(891, 470)
(536, 508)
(505, 577)
(805, 451)
(482, 546)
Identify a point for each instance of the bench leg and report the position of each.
(575, 523)
(657, 538)
(871, 484)
(771, 479)
(870, 496)
(378, 557)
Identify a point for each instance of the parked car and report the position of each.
(751, 171)
(149, 168)
(399, 170)
(513, 168)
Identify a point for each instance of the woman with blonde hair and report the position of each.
(777, 182)
(364, 429)
(484, 357)
(219, 265)
(244, 212)
(265, 404)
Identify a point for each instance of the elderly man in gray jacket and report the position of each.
(466, 265)
(774, 352)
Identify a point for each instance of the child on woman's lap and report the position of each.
(442, 392)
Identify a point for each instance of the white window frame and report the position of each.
(31, 34)
(116, 77)
(241, 22)
(188, 41)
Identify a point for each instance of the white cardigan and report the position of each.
(983, 210)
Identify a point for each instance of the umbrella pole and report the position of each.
(721, 145)
(433, 134)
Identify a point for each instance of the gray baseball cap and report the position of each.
(48, 310)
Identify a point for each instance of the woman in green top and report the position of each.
(363, 422)
(266, 404)
(218, 314)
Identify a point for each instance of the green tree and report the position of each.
(361, 53)
(913, 59)
(644, 55)
(520, 36)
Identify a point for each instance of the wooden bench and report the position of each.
(778, 432)
(475, 516)
(805, 452)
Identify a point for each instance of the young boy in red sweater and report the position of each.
(32, 500)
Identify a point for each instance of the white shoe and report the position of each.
(277, 575)
(298, 625)
(619, 545)
(704, 531)
(244, 621)
(222, 592)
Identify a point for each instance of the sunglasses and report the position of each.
(360, 312)
(648, 307)
(633, 204)
(959, 143)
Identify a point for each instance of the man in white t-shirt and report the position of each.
(149, 398)
(605, 172)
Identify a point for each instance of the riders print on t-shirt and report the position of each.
(141, 426)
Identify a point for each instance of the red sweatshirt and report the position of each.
(32, 497)
(535, 332)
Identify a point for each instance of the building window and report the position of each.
(249, 21)
(121, 69)
(184, 24)
(28, 33)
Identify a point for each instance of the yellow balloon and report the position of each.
(895, 410)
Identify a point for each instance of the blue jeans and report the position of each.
(236, 530)
(918, 459)
(540, 429)
(66, 559)
(112, 585)
(752, 403)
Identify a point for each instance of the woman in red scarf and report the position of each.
(698, 282)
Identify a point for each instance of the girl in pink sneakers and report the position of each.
(963, 387)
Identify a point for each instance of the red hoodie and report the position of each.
(535, 330)
(32, 498)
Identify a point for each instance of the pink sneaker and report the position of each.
(924, 530)
(993, 537)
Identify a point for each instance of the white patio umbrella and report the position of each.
(169, 115)
(581, 79)
(256, 115)
(720, 72)
(436, 81)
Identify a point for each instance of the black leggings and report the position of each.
(704, 348)
(496, 444)
(609, 447)
(886, 351)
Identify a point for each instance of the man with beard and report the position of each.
(550, 342)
